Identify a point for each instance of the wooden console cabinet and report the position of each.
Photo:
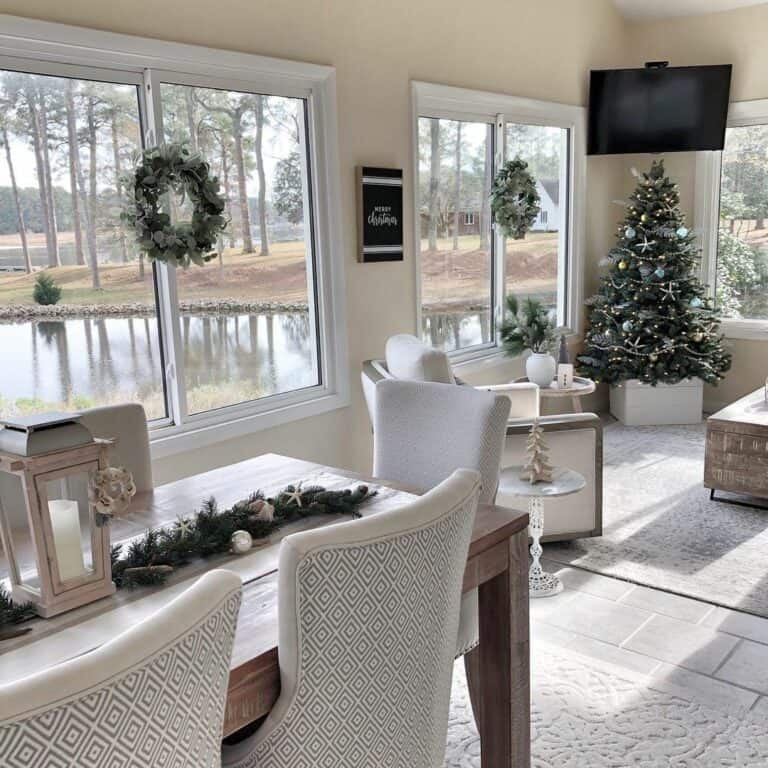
(736, 457)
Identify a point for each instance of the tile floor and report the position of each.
(718, 656)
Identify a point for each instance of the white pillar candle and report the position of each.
(65, 524)
(565, 375)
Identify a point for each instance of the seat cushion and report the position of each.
(409, 358)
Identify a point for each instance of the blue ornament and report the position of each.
(659, 272)
(695, 302)
(626, 326)
(629, 233)
(682, 232)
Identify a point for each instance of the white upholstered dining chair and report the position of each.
(424, 431)
(153, 696)
(368, 612)
(127, 424)
(575, 440)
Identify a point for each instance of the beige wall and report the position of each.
(543, 49)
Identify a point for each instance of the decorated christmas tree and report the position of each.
(651, 319)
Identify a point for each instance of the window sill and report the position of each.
(171, 441)
(753, 330)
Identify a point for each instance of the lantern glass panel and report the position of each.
(71, 525)
(17, 530)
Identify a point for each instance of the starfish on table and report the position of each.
(294, 495)
(183, 526)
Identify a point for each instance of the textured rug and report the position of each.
(660, 528)
(584, 717)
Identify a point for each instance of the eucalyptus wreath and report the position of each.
(514, 199)
(174, 168)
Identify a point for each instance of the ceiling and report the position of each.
(665, 9)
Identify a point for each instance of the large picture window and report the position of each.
(85, 320)
(742, 242)
(466, 268)
(732, 216)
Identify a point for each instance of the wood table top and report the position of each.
(54, 640)
(750, 410)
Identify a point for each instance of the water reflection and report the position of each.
(456, 330)
(89, 361)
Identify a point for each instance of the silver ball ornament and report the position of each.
(241, 542)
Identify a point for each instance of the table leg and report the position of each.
(504, 664)
(576, 404)
(541, 583)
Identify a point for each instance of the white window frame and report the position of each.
(56, 49)
(448, 102)
(707, 213)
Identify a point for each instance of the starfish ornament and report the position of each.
(294, 495)
(183, 526)
(668, 292)
(645, 244)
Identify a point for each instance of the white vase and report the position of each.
(540, 368)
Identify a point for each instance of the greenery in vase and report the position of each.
(652, 319)
(526, 326)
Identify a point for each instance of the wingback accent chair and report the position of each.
(575, 440)
(368, 612)
(154, 696)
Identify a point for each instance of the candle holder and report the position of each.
(56, 546)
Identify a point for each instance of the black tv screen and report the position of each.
(657, 109)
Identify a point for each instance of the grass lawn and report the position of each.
(279, 276)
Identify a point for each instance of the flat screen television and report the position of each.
(657, 109)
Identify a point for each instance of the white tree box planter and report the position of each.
(637, 404)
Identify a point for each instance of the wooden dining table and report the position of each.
(497, 565)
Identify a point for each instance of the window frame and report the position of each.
(431, 100)
(708, 178)
(59, 50)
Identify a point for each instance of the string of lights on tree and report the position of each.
(651, 318)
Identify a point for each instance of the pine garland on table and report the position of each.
(12, 613)
(151, 558)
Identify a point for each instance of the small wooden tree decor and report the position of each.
(537, 469)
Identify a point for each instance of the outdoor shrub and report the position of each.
(46, 291)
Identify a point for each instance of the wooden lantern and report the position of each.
(58, 557)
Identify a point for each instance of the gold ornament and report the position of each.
(697, 336)
(653, 357)
(644, 217)
(623, 265)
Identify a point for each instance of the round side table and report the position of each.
(564, 482)
(581, 386)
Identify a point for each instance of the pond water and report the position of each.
(79, 363)
(92, 361)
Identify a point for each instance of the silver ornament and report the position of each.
(241, 542)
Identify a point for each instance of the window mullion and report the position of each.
(498, 241)
(168, 309)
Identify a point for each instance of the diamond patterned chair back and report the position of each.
(154, 696)
(368, 613)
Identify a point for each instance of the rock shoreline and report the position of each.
(11, 314)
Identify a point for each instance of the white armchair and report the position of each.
(368, 613)
(154, 696)
(574, 440)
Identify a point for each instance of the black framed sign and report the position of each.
(380, 214)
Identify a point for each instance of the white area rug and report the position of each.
(585, 717)
(660, 528)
